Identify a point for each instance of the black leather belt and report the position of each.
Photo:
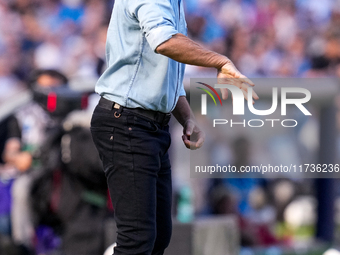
(159, 117)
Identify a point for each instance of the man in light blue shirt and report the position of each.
(136, 76)
(146, 51)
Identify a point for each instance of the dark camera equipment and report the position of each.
(59, 101)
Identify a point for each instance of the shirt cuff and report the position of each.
(158, 35)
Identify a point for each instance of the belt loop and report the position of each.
(118, 113)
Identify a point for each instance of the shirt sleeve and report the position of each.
(182, 91)
(156, 19)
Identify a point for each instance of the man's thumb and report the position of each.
(189, 127)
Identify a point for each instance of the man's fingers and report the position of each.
(231, 71)
(245, 79)
(200, 142)
(255, 96)
(224, 93)
(189, 128)
(230, 75)
(245, 88)
(193, 145)
(245, 94)
(187, 142)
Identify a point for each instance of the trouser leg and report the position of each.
(134, 155)
(163, 217)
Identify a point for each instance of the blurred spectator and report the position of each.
(22, 150)
(264, 38)
(52, 34)
(9, 83)
(32, 120)
(59, 196)
(246, 198)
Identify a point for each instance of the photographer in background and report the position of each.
(28, 127)
(31, 122)
(59, 197)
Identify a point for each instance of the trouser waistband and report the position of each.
(159, 117)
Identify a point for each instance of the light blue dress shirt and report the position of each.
(137, 76)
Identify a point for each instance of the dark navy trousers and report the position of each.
(134, 153)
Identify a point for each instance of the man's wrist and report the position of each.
(182, 111)
(223, 62)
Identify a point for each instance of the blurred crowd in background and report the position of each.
(65, 35)
(268, 38)
(264, 38)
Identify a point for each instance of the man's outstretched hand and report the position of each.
(193, 137)
(184, 50)
(229, 74)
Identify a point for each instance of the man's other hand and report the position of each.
(229, 74)
(193, 137)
